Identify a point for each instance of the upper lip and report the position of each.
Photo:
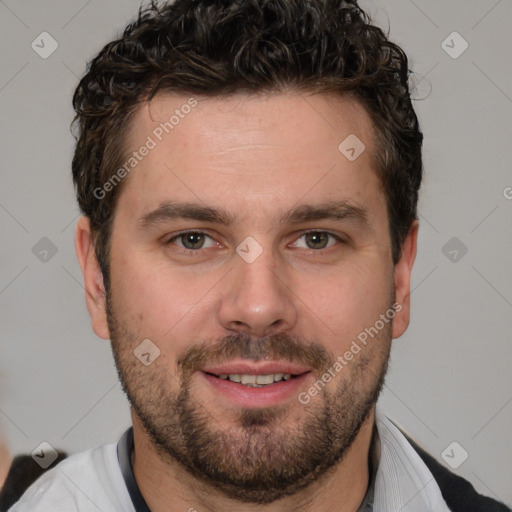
(256, 368)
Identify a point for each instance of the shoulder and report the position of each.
(458, 494)
(89, 480)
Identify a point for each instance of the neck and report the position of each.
(162, 482)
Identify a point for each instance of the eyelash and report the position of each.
(184, 250)
(195, 252)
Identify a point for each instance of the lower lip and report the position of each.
(266, 396)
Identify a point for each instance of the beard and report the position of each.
(263, 455)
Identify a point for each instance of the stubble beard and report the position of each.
(262, 457)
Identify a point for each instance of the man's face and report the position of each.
(247, 246)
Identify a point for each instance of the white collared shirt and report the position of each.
(402, 481)
(92, 481)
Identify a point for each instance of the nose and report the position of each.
(256, 299)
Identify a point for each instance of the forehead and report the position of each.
(296, 116)
(251, 150)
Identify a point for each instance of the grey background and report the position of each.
(450, 377)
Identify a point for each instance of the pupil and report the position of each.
(193, 240)
(316, 240)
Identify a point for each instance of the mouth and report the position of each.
(255, 381)
(249, 384)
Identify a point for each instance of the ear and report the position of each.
(403, 270)
(93, 278)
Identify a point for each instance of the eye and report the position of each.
(316, 240)
(192, 240)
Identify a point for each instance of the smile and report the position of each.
(255, 381)
(250, 384)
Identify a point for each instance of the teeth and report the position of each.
(264, 379)
(255, 380)
(248, 379)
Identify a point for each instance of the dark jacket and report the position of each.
(459, 494)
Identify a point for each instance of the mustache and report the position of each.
(280, 346)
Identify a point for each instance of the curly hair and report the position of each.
(220, 47)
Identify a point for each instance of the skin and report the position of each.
(257, 158)
(5, 462)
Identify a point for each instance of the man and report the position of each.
(249, 173)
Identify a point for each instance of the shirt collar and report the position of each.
(402, 481)
(399, 479)
(124, 455)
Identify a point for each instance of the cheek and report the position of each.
(156, 302)
(349, 299)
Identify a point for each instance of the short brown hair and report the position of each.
(215, 48)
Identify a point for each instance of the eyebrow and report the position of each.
(170, 210)
(332, 210)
